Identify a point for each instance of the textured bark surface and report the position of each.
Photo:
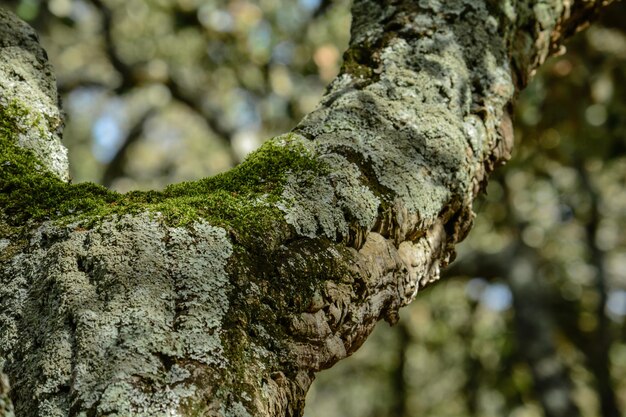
(224, 297)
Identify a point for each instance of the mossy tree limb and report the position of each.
(226, 295)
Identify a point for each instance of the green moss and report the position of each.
(28, 191)
(240, 200)
(10, 122)
(360, 61)
(352, 64)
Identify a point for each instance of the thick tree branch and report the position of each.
(225, 296)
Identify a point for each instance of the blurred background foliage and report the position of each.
(530, 319)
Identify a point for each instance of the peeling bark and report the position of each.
(114, 309)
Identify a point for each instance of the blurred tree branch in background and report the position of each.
(292, 56)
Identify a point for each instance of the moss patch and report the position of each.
(240, 200)
(243, 197)
(28, 191)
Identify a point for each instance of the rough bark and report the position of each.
(224, 297)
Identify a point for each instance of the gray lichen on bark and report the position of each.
(102, 305)
(6, 406)
(130, 315)
(27, 78)
(319, 204)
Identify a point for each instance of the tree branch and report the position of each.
(116, 167)
(225, 296)
(598, 352)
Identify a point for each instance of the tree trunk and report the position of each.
(223, 297)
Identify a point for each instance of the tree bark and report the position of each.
(225, 296)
